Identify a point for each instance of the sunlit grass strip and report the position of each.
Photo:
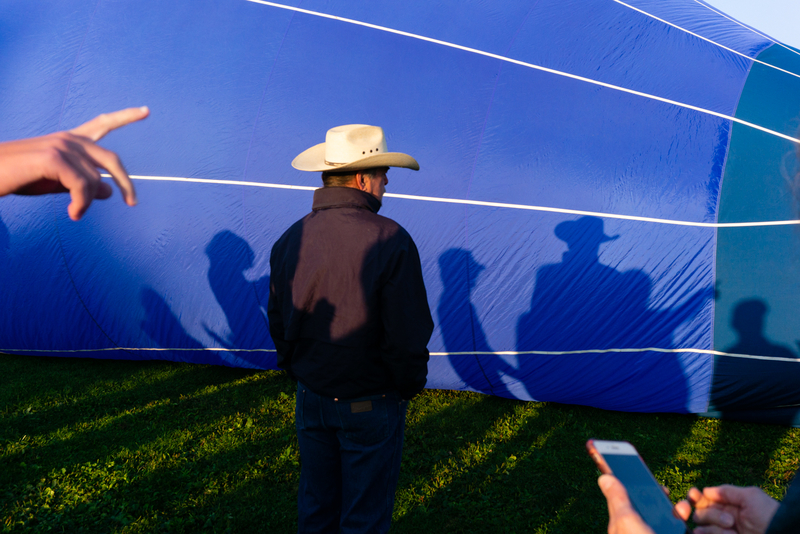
(468, 456)
(123, 447)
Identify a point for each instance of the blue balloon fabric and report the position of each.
(604, 209)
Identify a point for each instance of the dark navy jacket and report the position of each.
(787, 518)
(348, 311)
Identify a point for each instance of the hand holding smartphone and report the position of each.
(620, 458)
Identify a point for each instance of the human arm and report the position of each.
(68, 161)
(275, 315)
(406, 319)
(731, 510)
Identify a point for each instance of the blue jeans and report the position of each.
(350, 454)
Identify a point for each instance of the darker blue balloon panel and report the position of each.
(756, 324)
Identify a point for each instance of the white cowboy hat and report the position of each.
(352, 147)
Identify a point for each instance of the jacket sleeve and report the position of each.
(787, 518)
(277, 328)
(407, 322)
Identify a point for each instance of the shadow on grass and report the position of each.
(190, 457)
(156, 383)
(61, 391)
(147, 450)
(533, 471)
(747, 454)
(248, 485)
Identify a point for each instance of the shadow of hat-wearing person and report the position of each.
(755, 380)
(571, 302)
(754, 374)
(583, 305)
(748, 320)
(462, 331)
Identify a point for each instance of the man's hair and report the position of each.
(342, 179)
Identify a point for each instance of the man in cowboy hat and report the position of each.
(349, 316)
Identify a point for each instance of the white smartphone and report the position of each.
(620, 458)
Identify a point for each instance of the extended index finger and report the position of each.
(99, 126)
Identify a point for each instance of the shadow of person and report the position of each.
(165, 329)
(161, 324)
(748, 321)
(581, 305)
(757, 379)
(464, 339)
(240, 299)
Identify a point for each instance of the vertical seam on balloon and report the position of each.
(717, 229)
(730, 135)
(75, 287)
(250, 147)
(714, 300)
(55, 216)
(713, 310)
(472, 310)
(263, 95)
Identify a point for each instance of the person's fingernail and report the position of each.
(144, 109)
(726, 519)
(604, 482)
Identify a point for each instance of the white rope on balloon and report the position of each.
(479, 203)
(476, 353)
(531, 66)
(713, 42)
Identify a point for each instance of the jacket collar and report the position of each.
(344, 197)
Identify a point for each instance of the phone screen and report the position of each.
(644, 491)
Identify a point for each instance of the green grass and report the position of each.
(116, 446)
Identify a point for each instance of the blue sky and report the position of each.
(780, 19)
